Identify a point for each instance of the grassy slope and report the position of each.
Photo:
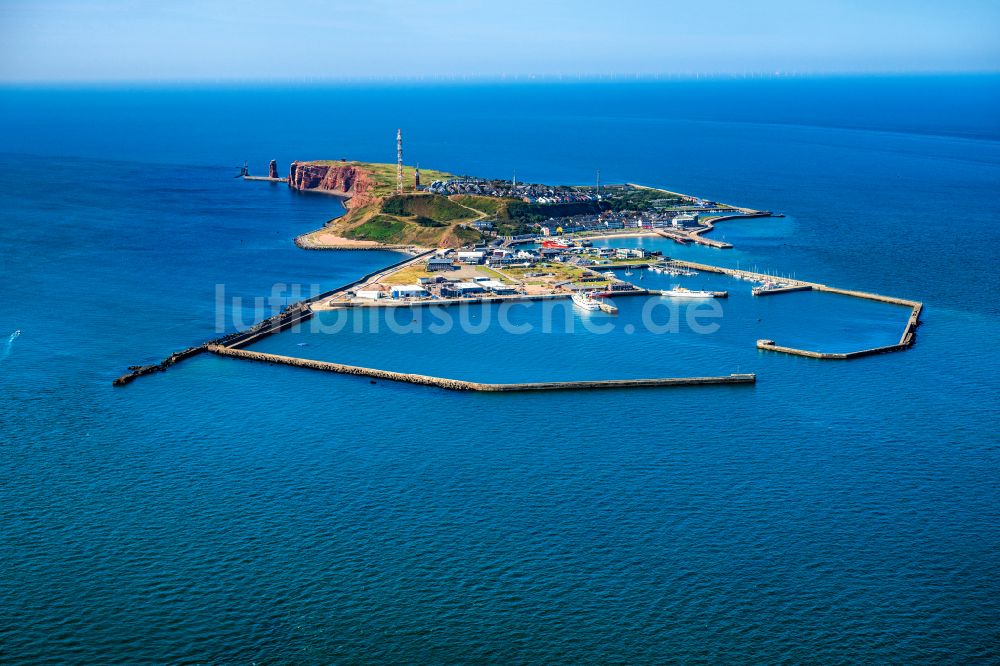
(489, 205)
(432, 206)
(418, 219)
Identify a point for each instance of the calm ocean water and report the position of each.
(226, 512)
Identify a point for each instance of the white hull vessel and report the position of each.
(585, 301)
(681, 292)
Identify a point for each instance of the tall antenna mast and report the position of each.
(598, 181)
(399, 161)
(513, 183)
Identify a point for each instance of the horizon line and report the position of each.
(491, 78)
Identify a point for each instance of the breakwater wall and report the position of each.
(137, 371)
(709, 225)
(804, 283)
(769, 345)
(287, 318)
(462, 385)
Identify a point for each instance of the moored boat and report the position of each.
(585, 301)
(681, 292)
(778, 288)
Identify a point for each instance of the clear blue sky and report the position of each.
(139, 40)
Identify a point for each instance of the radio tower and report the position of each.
(399, 161)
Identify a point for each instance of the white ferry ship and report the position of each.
(681, 292)
(585, 301)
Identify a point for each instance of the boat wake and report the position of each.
(8, 344)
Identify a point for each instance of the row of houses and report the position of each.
(531, 193)
(606, 221)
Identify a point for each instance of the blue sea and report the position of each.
(233, 512)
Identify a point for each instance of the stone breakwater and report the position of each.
(696, 235)
(136, 371)
(462, 385)
(290, 316)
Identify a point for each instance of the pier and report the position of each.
(463, 385)
(266, 179)
(769, 345)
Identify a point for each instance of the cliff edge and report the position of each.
(349, 180)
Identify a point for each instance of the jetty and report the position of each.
(683, 237)
(266, 179)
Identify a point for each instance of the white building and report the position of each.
(408, 291)
(497, 287)
(473, 257)
(468, 287)
(371, 295)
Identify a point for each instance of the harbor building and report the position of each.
(439, 264)
(408, 291)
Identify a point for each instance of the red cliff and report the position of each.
(344, 180)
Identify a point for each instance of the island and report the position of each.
(473, 240)
(439, 209)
